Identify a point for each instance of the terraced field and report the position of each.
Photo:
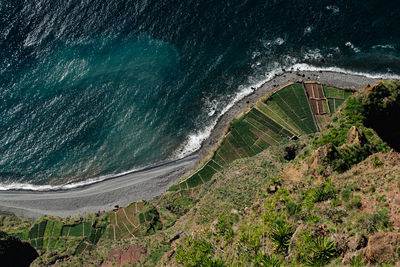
(335, 97)
(286, 113)
(49, 235)
(137, 219)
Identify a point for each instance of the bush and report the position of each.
(322, 251)
(355, 203)
(374, 222)
(292, 208)
(224, 227)
(196, 252)
(281, 235)
(262, 259)
(324, 192)
(346, 194)
(377, 162)
(356, 261)
(180, 205)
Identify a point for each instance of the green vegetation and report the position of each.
(284, 114)
(196, 252)
(322, 251)
(341, 155)
(261, 199)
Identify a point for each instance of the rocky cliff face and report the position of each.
(381, 108)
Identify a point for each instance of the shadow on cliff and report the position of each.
(14, 252)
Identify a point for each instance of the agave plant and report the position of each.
(356, 261)
(281, 236)
(265, 260)
(322, 251)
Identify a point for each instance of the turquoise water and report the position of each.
(95, 88)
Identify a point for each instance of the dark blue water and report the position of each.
(91, 87)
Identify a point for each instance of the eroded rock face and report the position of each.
(383, 247)
(355, 137)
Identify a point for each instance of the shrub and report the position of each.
(356, 261)
(224, 227)
(180, 205)
(262, 259)
(324, 192)
(377, 162)
(281, 235)
(322, 251)
(374, 222)
(355, 203)
(346, 194)
(292, 208)
(196, 252)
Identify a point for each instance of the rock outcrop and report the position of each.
(383, 247)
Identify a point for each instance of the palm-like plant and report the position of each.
(265, 260)
(322, 251)
(281, 236)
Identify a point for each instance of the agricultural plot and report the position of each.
(285, 114)
(326, 106)
(336, 97)
(127, 222)
(331, 103)
(331, 92)
(338, 103)
(51, 234)
(281, 119)
(293, 102)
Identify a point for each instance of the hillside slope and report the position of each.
(274, 192)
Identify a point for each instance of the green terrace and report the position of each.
(84, 234)
(291, 111)
(51, 234)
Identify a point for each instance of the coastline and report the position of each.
(334, 78)
(150, 183)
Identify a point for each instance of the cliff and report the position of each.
(308, 176)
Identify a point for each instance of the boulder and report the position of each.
(383, 247)
(356, 242)
(355, 137)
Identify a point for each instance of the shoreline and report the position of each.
(151, 182)
(337, 79)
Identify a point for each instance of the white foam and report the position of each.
(193, 141)
(306, 67)
(279, 41)
(308, 29)
(387, 46)
(31, 187)
(333, 8)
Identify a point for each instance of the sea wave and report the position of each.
(194, 141)
(68, 186)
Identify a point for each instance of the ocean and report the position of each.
(93, 88)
